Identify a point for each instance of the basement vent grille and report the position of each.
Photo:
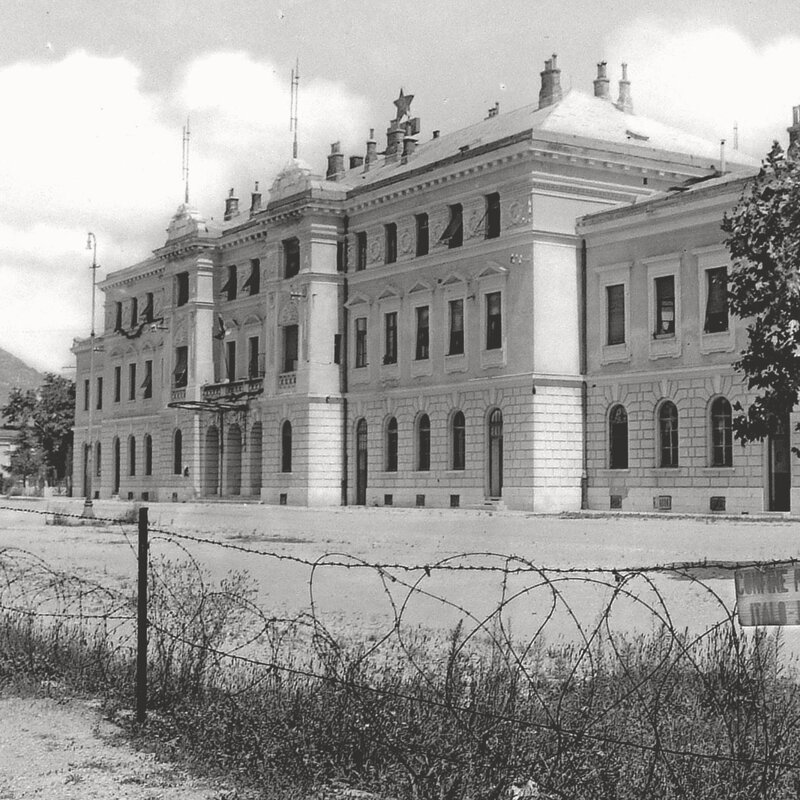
(388, 499)
(717, 503)
(616, 501)
(662, 502)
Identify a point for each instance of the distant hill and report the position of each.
(15, 372)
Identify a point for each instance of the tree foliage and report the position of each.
(45, 418)
(763, 238)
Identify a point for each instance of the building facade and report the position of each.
(405, 330)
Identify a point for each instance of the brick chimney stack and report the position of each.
(335, 162)
(625, 101)
(372, 150)
(551, 83)
(231, 206)
(601, 82)
(255, 201)
(793, 150)
(394, 140)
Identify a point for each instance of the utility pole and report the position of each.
(88, 506)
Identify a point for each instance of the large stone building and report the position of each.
(405, 330)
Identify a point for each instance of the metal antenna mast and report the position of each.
(293, 106)
(185, 167)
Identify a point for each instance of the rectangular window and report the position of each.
(147, 383)
(253, 282)
(453, 234)
(615, 311)
(131, 381)
(456, 345)
(337, 348)
(291, 257)
(230, 361)
(492, 229)
(134, 312)
(423, 234)
(390, 236)
(181, 288)
(716, 300)
(361, 342)
(361, 251)
(290, 337)
(390, 338)
(494, 323)
(665, 306)
(181, 373)
(117, 384)
(99, 393)
(341, 256)
(118, 316)
(86, 391)
(147, 312)
(253, 358)
(422, 350)
(230, 289)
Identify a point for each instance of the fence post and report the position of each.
(141, 652)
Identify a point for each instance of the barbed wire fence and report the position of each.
(578, 682)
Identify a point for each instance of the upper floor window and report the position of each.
(253, 282)
(716, 317)
(291, 257)
(456, 344)
(721, 433)
(361, 342)
(181, 288)
(254, 367)
(230, 288)
(454, 232)
(494, 323)
(423, 234)
(361, 251)
(181, 372)
(118, 316)
(668, 435)
(147, 383)
(665, 305)
(131, 381)
(390, 235)
(390, 338)
(230, 361)
(100, 392)
(615, 314)
(148, 310)
(492, 229)
(86, 392)
(134, 312)
(117, 384)
(422, 350)
(618, 438)
(290, 337)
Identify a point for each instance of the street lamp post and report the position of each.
(88, 507)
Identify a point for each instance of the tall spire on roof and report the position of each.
(185, 167)
(293, 106)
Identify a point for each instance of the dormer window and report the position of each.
(291, 257)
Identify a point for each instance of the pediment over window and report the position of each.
(491, 270)
(454, 278)
(420, 286)
(357, 300)
(390, 293)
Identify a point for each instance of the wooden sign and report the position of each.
(768, 595)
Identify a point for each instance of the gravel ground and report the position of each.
(65, 750)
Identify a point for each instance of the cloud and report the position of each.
(707, 78)
(87, 148)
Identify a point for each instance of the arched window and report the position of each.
(721, 433)
(618, 438)
(286, 447)
(148, 454)
(391, 445)
(668, 435)
(131, 455)
(424, 443)
(177, 452)
(458, 438)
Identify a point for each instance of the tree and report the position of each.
(763, 238)
(45, 418)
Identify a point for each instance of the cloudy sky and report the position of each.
(94, 94)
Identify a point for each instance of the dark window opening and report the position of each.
(230, 289)
(99, 393)
(253, 282)
(665, 306)
(361, 251)
(390, 237)
(721, 433)
(423, 234)
(290, 340)
(668, 435)
(118, 316)
(337, 348)
(147, 312)
(132, 455)
(291, 257)
(492, 230)
(182, 288)
(177, 453)
(716, 319)
(454, 232)
(134, 312)
(117, 384)
(424, 443)
(391, 445)
(147, 383)
(390, 338)
(286, 447)
(181, 372)
(615, 310)
(255, 366)
(618, 438)
(494, 323)
(361, 342)
(230, 361)
(456, 328)
(86, 393)
(459, 441)
(131, 381)
(422, 350)
(341, 256)
(148, 455)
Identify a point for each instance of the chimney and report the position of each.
(793, 150)
(372, 150)
(356, 161)
(255, 201)
(436, 134)
(625, 102)
(335, 163)
(231, 206)
(601, 83)
(551, 83)
(409, 146)
(494, 111)
(394, 138)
